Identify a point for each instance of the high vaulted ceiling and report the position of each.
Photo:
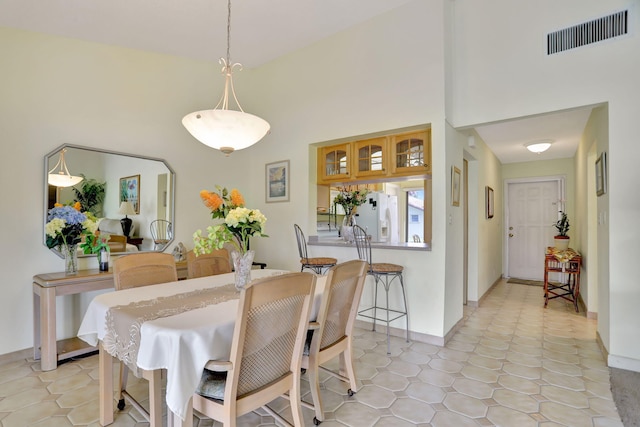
(261, 31)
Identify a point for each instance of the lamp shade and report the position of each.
(226, 130)
(63, 180)
(126, 208)
(539, 146)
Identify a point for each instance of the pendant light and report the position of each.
(222, 128)
(62, 178)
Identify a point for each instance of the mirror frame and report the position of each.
(47, 167)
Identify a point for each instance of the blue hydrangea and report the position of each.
(67, 213)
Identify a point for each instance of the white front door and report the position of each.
(532, 211)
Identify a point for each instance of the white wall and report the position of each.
(56, 90)
(501, 71)
(384, 74)
(485, 234)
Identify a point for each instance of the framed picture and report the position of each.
(455, 186)
(277, 179)
(601, 174)
(489, 198)
(130, 191)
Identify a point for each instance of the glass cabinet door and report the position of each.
(411, 153)
(335, 161)
(371, 157)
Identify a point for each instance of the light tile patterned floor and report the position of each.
(513, 363)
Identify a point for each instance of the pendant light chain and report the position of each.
(229, 33)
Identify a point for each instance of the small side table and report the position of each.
(46, 287)
(568, 264)
(135, 241)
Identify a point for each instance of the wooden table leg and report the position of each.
(105, 362)
(188, 418)
(47, 321)
(155, 396)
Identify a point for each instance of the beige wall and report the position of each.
(57, 90)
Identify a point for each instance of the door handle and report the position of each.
(510, 234)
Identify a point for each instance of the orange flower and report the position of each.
(57, 205)
(77, 206)
(236, 198)
(211, 200)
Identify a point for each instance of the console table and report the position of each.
(568, 264)
(46, 287)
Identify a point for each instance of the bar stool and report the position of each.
(385, 274)
(317, 264)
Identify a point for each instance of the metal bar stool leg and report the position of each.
(375, 301)
(386, 290)
(406, 311)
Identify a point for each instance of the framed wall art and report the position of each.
(489, 201)
(455, 186)
(601, 174)
(277, 179)
(130, 191)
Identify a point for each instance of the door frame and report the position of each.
(561, 181)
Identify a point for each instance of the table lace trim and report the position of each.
(123, 323)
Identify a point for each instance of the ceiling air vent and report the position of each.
(594, 31)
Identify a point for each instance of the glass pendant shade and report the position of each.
(62, 178)
(223, 128)
(226, 130)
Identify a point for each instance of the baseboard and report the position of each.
(476, 304)
(397, 332)
(27, 353)
(453, 330)
(603, 349)
(622, 362)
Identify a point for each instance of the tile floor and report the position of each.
(513, 363)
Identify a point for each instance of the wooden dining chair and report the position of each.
(266, 351)
(132, 271)
(117, 243)
(217, 262)
(317, 264)
(332, 332)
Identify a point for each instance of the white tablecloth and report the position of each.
(181, 344)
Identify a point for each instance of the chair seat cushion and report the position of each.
(386, 268)
(212, 384)
(319, 261)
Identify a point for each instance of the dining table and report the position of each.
(173, 333)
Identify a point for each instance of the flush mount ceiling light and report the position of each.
(539, 146)
(62, 178)
(222, 128)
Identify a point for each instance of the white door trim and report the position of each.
(560, 179)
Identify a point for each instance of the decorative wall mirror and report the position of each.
(147, 183)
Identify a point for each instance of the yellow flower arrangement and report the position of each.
(239, 224)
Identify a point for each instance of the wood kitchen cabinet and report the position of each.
(334, 163)
(411, 153)
(384, 157)
(370, 157)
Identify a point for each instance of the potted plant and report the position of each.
(561, 239)
(91, 195)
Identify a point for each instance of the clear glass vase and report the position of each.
(347, 228)
(70, 254)
(242, 267)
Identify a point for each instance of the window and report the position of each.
(415, 215)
